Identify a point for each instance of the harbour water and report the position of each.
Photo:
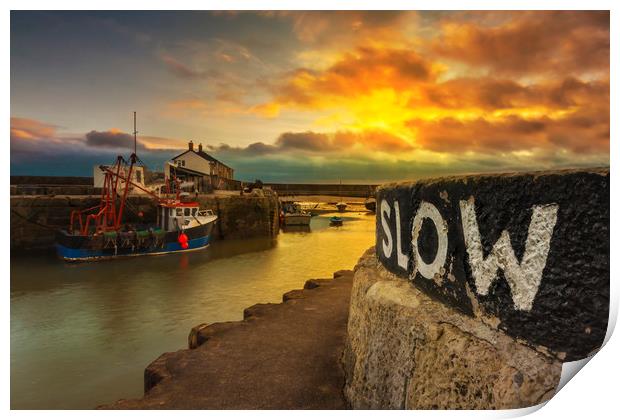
(82, 334)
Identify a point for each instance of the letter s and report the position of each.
(387, 242)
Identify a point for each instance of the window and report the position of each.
(139, 177)
(187, 209)
(194, 210)
(182, 163)
(179, 212)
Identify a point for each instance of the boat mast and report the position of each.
(135, 133)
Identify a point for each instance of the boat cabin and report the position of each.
(178, 216)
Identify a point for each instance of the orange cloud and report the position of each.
(420, 102)
(29, 129)
(586, 131)
(530, 42)
(357, 73)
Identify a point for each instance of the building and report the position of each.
(205, 171)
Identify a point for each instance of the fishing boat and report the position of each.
(99, 232)
(335, 221)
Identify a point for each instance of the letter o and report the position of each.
(429, 211)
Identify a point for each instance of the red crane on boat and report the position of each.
(107, 216)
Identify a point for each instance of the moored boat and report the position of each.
(341, 206)
(99, 232)
(335, 221)
(294, 215)
(297, 219)
(182, 227)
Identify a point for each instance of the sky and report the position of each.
(312, 96)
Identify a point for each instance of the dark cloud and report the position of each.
(109, 139)
(309, 141)
(313, 143)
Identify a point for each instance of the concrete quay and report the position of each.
(281, 356)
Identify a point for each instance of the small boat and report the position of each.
(295, 216)
(341, 206)
(335, 221)
(297, 219)
(370, 204)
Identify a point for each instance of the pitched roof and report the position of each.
(203, 155)
(187, 170)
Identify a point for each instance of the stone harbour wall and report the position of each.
(405, 350)
(244, 216)
(35, 219)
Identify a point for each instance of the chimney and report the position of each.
(191, 145)
(200, 148)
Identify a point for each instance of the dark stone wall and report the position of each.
(51, 180)
(35, 219)
(569, 310)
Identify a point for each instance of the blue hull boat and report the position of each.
(130, 244)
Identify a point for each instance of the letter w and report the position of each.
(524, 277)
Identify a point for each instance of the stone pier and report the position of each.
(478, 289)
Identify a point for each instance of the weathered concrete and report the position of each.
(281, 356)
(406, 350)
(528, 252)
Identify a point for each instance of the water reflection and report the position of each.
(81, 334)
(296, 229)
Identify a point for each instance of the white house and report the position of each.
(199, 167)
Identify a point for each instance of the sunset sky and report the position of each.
(312, 96)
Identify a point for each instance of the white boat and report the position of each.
(297, 219)
(294, 215)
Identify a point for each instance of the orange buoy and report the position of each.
(183, 241)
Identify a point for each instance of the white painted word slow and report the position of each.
(523, 277)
